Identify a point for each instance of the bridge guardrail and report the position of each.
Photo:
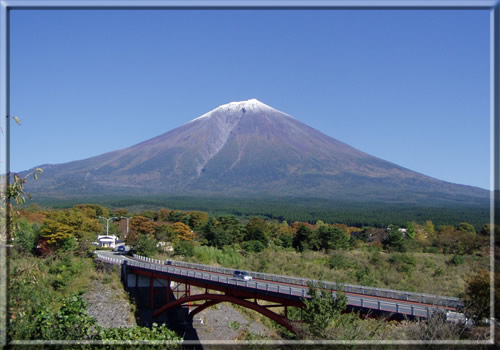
(349, 288)
(109, 260)
(353, 300)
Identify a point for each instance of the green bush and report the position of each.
(253, 246)
(338, 262)
(403, 262)
(364, 276)
(72, 322)
(402, 259)
(433, 250)
(146, 246)
(322, 309)
(185, 248)
(285, 241)
(438, 272)
(25, 235)
(68, 245)
(376, 258)
(230, 257)
(156, 333)
(457, 259)
(233, 325)
(63, 269)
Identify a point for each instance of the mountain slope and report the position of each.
(248, 149)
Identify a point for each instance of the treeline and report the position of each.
(307, 210)
(75, 228)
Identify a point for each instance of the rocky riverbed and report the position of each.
(109, 306)
(223, 322)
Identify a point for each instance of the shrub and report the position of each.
(438, 272)
(322, 309)
(457, 259)
(72, 322)
(146, 246)
(253, 246)
(285, 241)
(476, 297)
(435, 328)
(375, 257)
(433, 250)
(202, 255)
(338, 262)
(395, 240)
(402, 259)
(404, 263)
(233, 325)
(25, 236)
(69, 244)
(185, 248)
(364, 275)
(229, 257)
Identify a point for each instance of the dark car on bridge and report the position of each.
(242, 275)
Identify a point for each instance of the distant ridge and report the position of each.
(249, 149)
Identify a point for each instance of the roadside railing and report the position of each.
(333, 286)
(353, 300)
(109, 260)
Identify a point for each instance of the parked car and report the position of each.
(121, 249)
(242, 275)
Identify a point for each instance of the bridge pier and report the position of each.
(145, 284)
(148, 292)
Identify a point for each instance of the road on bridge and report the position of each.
(379, 303)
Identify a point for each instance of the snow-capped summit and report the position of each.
(252, 104)
(239, 106)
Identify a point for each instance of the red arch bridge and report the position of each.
(263, 293)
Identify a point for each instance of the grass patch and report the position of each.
(419, 272)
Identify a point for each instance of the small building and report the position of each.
(165, 246)
(107, 241)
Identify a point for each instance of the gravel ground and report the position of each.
(222, 322)
(109, 306)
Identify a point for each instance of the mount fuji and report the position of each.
(248, 149)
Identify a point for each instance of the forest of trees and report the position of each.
(49, 230)
(307, 210)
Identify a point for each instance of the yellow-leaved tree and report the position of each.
(183, 231)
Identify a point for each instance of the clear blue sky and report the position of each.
(410, 87)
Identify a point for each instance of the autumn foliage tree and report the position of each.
(162, 214)
(183, 231)
(53, 234)
(78, 223)
(195, 219)
(142, 225)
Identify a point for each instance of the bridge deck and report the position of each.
(405, 303)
